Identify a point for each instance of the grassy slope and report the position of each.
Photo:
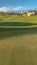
(8, 18)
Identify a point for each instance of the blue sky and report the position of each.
(18, 4)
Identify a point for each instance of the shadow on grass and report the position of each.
(10, 32)
(16, 24)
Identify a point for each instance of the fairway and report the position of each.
(18, 46)
(11, 18)
(19, 50)
(18, 41)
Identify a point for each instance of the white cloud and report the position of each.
(4, 9)
(19, 8)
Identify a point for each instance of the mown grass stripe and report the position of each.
(19, 26)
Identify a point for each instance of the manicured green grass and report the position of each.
(18, 40)
(18, 46)
(19, 50)
(9, 18)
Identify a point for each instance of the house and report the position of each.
(29, 13)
